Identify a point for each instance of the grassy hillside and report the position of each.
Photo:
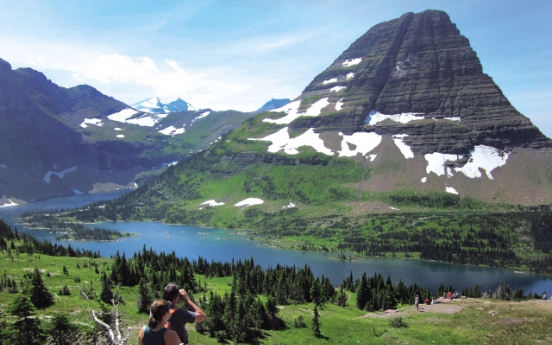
(313, 201)
(463, 321)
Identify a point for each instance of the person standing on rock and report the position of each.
(179, 316)
(417, 301)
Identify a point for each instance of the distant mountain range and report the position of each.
(62, 141)
(273, 104)
(154, 105)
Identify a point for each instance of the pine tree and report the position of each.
(315, 292)
(341, 297)
(40, 296)
(145, 300)
(107, 294)
(61, 331)
(26, 328)
(362, 292)
(316, 323)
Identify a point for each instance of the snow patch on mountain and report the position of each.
(292, 111)
(352, 62)
(249, 202)
(451, 190)
(364, 142)
(212, 203)
(9, 204)
(339, 105)
(405, 149)
(122, 115)
(172, 131)
(281, 141)
(330, 81)
(146, 120)
(350, 75)
(61, 174)
(96, 122)
(337, 88)
(375, 116)
(483, 157)
(120, 136)
(291, 205)
(201, 116)
(453, 118)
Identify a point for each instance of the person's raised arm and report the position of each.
(200, 315)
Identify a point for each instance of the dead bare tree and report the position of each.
(113, 331)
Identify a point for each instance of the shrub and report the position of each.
(299, 322)
(397, 322)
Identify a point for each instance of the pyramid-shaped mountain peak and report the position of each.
(418, 64)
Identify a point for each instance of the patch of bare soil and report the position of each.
(441, 308)
(512, 321)
(361, 208)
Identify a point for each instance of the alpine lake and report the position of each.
(227, 245)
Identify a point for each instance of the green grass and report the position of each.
(520, 323)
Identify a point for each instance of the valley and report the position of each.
(400, 171)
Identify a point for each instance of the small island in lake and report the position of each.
(68, 230)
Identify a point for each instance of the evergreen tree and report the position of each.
(40, 296)
(316, 323)
(362, 292)
(315, 292)
(107, 294)
(341, 297)
(26, 328)
(61, 331)
(144, 300)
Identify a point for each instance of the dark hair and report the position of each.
(170, 292)
(157, 310)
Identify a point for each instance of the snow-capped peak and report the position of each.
(154, 105)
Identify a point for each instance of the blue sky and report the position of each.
(238, 54)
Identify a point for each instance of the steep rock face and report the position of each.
(28, 136)
(420, 63)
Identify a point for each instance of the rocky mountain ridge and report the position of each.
(419, 63)
(64, 141)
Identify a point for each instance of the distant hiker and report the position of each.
(433, 301)
(155, 332)
(417, 301)
(544, 297)
(449, 295)
(427, 301)
(179, 317)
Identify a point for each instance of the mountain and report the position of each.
(404, 120)
(273, 104)
(63, 141)
(154, 105)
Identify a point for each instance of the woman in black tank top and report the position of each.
(155, 332)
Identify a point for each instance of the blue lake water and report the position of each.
(223, 245)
